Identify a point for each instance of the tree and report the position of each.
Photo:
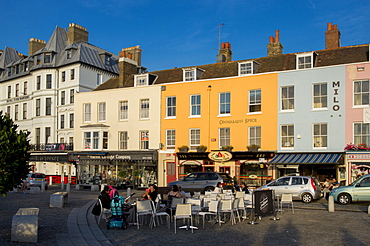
(14, 156)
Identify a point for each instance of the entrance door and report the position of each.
(225, 170)
(171, 172)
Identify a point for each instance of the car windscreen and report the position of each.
(225, 176)
(38, 175)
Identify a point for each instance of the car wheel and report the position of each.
(307, 198)
(209, 188)
(344, 198)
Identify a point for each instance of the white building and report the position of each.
(38, 91)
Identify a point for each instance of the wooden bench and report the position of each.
(25, 224)
(58, 199)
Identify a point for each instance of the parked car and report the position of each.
(35, 179)
(204, 181)
(302, 188)
(358, 191)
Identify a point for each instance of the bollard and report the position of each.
(331, 204)
(50, 180)
(62, 185)
(368, 210)
(128, 192)
(102, 187)
(43, 185)
(68, 188)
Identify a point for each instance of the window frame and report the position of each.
(16, 112)
(285, 98)
(224, 107)
(195, 105)
(49, 80)
(305, 64)
(62, 97)
(322, 137)
(171, 107)
(255, 103)
(71, 120)
(171, 139)
(144, 139)
(224, 135)
(362, 136)
(25, 88)
(361, 94)
(48, 106)
(62, 121)
(38, 107)
(144, 108)
(102, 111)
(255, 135)
(322, 98)
(38, 82)
(194, 138)
(287, 138)
(123, 110)
(72, 96)
(189, 74)
(24, 111)
(73, 75)
(87, 112)
(123, 140)
(141, 80)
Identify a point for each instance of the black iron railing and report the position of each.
(52, 147)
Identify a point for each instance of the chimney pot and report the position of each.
(277, 36)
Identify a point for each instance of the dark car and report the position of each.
(204, 181)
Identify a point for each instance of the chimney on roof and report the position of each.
(224, 54)
(77, 33)
(332, 37)
(133, 53)
(127, 64)
(275, 47)
(34, 45)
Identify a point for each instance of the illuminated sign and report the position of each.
(220, 156)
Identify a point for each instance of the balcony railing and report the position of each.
(52, 147)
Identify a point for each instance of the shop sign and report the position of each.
(358, 157)
(220, 156)
(191, 162)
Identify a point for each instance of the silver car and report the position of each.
(302, 188)
(204, 181)
(36, 179)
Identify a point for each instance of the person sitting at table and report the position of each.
(218, 188)
(151, 193)
(105, 198)
(113, 192)
(174, 192)
(244, 187)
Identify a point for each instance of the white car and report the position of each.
(302, 188)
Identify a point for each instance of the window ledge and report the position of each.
(287, 111)
(319, 109)
(170, 118)
(194, 116)
(224, 115)
(254, 113)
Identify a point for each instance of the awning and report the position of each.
(327, 158)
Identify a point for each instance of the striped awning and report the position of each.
(331, 158)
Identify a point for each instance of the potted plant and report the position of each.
(183, 148)
(201, 148)
(253, 147)
(227, 148)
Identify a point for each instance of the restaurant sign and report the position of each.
(220, 155)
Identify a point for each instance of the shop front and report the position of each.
(244, 166)
(136, 169)
(319, 165)
(358, 164)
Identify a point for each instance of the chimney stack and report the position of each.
(275, 47)
(133, 53)
(34, 45)
(225, 53)
(332, 37)
(77, 33)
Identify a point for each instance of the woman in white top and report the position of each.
(218, 188)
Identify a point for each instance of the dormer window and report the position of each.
(17, 69)
(107, 60)
(69, 54)
(25, 66)
(47, 57)
(9, 71)
(249, 67)
(38, 59)
(191, 74)
(304, 60)
(141, 80)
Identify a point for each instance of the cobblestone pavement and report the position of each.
(310, 224)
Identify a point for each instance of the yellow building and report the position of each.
(207, 109)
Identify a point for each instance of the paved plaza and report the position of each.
(310, 224)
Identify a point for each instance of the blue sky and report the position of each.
(178, 33)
